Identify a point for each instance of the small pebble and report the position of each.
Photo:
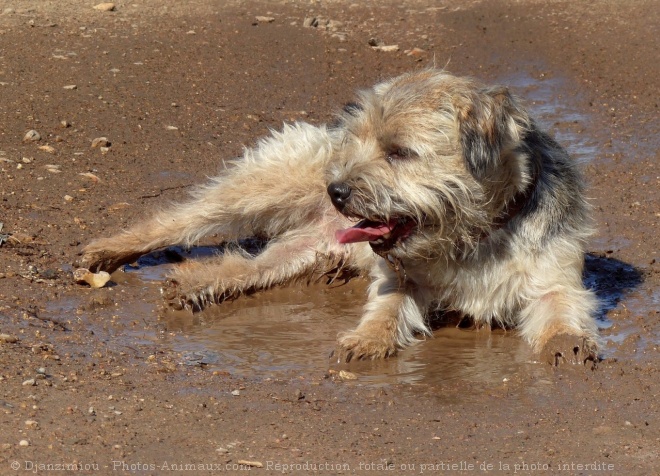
(70, 87)
(47, 148)
(310, 22)
(31, 136)
(8, 338)
(235, 393)
(30, 382)
(65, 124)
(101, 142)
(346, 375)
(386, 48)
(90, 176)
(24, 443)
(261, 19)
(31, 424)
(95, 280)
(416, 52)
(105, 7)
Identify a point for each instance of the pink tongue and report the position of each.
(363, 231)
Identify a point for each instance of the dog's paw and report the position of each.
(180, 297)
(570, 349)
(98, 257)
(356, 346)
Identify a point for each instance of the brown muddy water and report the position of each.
(288, 331)
(291, 331)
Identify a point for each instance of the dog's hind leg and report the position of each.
(275, 187)
(287, 259)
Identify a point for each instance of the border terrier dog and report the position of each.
(443, 190)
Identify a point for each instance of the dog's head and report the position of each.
(426, 161)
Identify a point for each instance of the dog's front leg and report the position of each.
(181, 224)
(559, 324)
(394, 315)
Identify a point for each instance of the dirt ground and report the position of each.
(104, 381)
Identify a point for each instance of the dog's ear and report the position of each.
(490, 122)
(349, 109)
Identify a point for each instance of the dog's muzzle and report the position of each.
(339, 193)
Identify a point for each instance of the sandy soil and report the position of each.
(107, 381)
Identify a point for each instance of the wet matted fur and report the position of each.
(443, 190)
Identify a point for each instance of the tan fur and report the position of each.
(486, 212)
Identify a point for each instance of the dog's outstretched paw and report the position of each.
(96, 257)
(356, 346)
(569, 349)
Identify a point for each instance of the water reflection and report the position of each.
(550, 103)
(285, 331)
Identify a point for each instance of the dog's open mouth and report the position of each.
(380, 235)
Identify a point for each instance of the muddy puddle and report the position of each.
(288, 332)
(294, 331)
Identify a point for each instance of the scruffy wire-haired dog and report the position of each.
(448, 195)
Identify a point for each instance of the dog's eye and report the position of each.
(398, 153)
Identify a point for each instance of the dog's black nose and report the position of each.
(339, 193)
